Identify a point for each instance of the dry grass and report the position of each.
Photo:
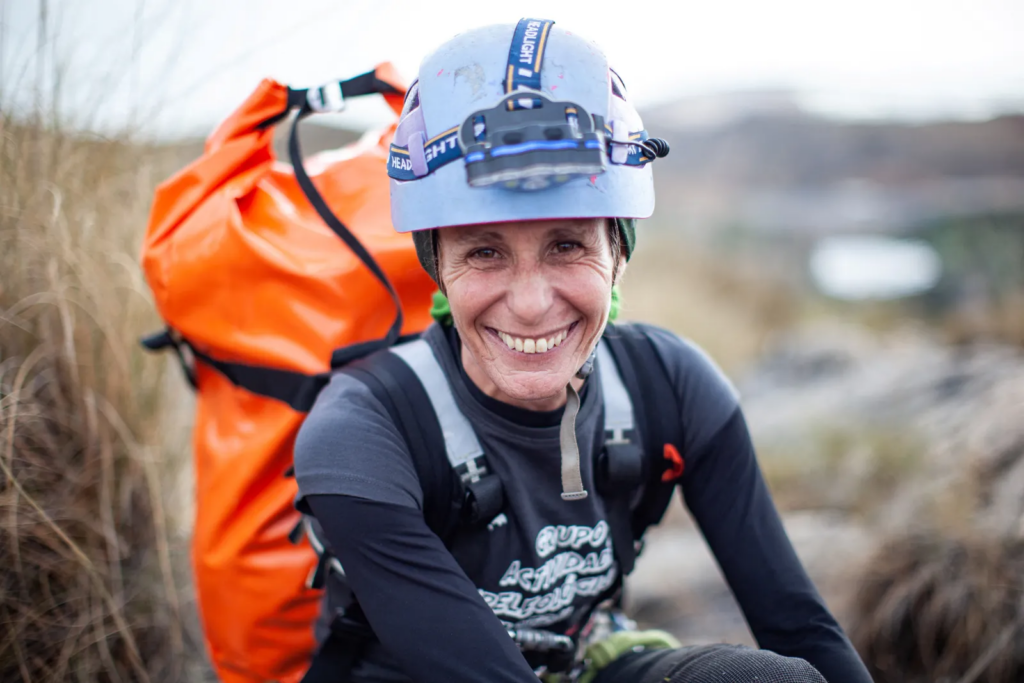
(856, 470)
(89, 586)
(933, 608)
(727, 305)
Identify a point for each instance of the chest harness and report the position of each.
(460, 492)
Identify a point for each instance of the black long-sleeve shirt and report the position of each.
(544, 556)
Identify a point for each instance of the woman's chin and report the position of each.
(533, 390)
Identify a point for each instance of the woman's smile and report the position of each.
(533, 344)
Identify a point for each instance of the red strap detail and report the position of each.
(676, 464)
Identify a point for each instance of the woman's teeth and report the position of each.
(533, 345)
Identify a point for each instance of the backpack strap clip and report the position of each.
(484, 499)
(620, 468)
(326, 560)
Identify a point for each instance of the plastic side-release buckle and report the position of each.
(326, 99)
(485, 498)
(620, 468)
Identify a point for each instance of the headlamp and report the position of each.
(530, 142)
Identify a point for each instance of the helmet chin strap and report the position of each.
(572, 478)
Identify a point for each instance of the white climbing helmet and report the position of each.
(518, 122)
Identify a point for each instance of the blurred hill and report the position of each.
(756, 183)
(760, 161)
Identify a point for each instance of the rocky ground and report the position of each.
(862, 437)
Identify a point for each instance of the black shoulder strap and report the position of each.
(402, 394)
(398, 388)
(658, 417)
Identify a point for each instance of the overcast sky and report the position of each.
(178, 67)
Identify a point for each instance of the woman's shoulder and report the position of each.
(349, 445)
(346, 406)
(706, 396)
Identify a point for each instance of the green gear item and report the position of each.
(426, 244)
(441, 310)
(602, 653)
(613, 312)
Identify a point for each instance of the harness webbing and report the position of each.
(460, 442)
(618, 407)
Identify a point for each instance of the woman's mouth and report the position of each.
(535, 344)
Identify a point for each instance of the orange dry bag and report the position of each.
(258, 292)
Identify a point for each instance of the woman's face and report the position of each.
(530, 300)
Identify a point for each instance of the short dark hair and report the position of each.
(615, 241)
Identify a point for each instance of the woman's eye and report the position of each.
(566, 247)
(485, 253)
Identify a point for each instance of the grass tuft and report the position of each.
(936, 608)
(88, 511)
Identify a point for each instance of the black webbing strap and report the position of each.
(620, 512)
(658, 416)
(294, 388)
(367, 84)
(166, 339)
(620, 474)
(398, 388)
(341, 356)
(298, 390)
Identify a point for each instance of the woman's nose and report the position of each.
(531, 296)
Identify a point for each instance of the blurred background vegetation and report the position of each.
(861, 282)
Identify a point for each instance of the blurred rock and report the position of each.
(677, 585)
(861, 436)
(959, 409)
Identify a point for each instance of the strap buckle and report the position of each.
(327, 98)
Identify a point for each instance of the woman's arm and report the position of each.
(357, 478)
(725, 491)
(420, 603)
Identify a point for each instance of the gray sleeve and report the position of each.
(349, 446)
(707, 397)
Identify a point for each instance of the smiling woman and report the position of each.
(531, 300)
(481, 491)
